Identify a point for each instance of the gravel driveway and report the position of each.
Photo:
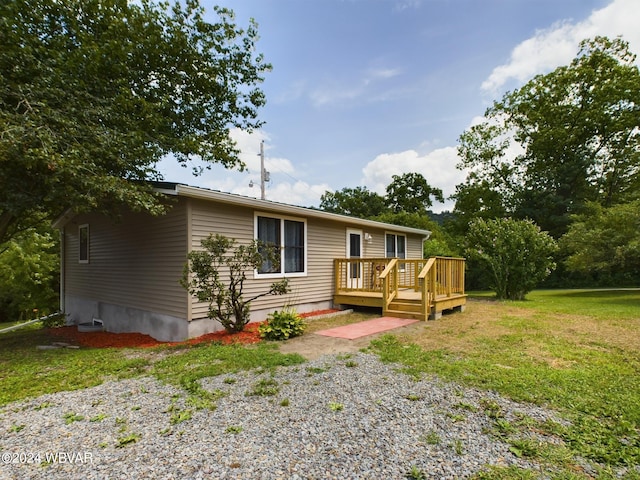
(343, 416)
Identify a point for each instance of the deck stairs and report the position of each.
(414, 289)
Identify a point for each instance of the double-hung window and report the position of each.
(288, 239)
(395, 246)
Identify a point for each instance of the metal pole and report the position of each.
(262, 179)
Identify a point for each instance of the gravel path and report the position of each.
(339, 416)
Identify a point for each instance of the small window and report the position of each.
(83, 242)
(396, 246)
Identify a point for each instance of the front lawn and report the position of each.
(574, 351)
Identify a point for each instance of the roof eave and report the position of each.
(239, 200)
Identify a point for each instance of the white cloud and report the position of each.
(297, 193)
(437, 167)
(336, 91)
(381, 73)
(290, 190)
(559, 44)
(283, 187)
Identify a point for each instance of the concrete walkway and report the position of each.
(366, 328)
(314, 345)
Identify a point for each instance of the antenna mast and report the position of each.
(263, 173)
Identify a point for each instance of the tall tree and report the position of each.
(356, 202)
(577, 133)
(411, 193)
(605, 241)
(93, 93)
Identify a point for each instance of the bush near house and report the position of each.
(282, 325)
(203, 277)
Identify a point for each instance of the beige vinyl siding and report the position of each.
(377, 247)
(414, 246)
(136, 261)
(326, 240)
(323, 244)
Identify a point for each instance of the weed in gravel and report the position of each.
(43, 405)
(491, 408)
(71, 417)
(414, 473)
(264, 388)
(466, 406)
(180, 416)
(128, 440)
(432, 438)
(455, 417)
(316, 370)
(508, 473)
(458, 447)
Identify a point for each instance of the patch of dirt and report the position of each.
(312, 346)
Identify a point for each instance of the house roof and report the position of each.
(282, 208)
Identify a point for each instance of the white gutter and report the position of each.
(62, 269)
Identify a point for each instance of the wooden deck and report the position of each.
(420, 289)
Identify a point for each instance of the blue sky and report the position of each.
(362, 90)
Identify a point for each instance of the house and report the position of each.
(126, 273)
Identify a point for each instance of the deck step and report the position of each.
(406, 305)
(404, 314)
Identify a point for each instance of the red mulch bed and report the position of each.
(126, 340)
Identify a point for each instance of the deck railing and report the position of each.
(434, 277)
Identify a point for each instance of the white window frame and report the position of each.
(396, 245)
(282, 218)
(84, 226)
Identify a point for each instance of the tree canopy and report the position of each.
(409, 193)
(560, 141)
(93, 93)
(356, 202)
(605, 240)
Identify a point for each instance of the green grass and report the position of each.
(28, 372)
(186, 366)
(605, 304)
(574, 351)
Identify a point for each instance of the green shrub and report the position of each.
(517, 254)
(221, 256)
(282, 325)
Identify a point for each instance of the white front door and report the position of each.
(354, 250)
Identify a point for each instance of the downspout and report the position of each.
(424, 239)
(62, 270)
